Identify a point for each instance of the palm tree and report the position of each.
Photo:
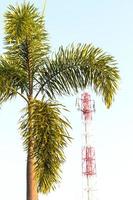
(28, 70)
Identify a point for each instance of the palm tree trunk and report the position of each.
(31, 182)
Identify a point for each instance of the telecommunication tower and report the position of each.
(87, 106)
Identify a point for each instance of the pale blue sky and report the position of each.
(106, 24)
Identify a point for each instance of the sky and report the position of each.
(108, 25)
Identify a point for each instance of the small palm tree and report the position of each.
(27, 69)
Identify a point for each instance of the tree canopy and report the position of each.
(30, 70)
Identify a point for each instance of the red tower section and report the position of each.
(88, 161)
(87, 106)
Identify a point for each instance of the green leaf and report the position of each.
(12, 80)
(79, 67)
(49, 133)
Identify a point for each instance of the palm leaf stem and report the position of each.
(20, 94)
(52, 76)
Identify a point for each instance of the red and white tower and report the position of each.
(87, 107)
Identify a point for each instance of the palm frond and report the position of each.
(50, 136)
(12, 80)
(79, 67)
(24, 21)
(26, 38)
